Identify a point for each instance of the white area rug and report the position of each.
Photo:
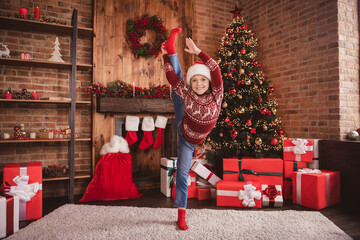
(111, 222)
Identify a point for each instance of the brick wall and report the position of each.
(349, 65)
(47, 82)
(315, 75)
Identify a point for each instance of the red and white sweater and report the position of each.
(202, 111)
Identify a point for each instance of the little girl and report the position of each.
(197, 106)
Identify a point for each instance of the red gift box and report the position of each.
(262, 170)
(300, 150)
(191, 185)
(316, 189)
(25, 180)
(9, 214)
(205, 193)
(289, 168)
(238, 194)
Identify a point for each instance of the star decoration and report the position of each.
(236, 12)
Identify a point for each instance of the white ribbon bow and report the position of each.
(309, 170)
(300, 146)
(24, 190)
(248, 195)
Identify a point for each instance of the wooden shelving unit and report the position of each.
(77, 176)
(42, 64)
(73, 31)
(45, 27)
(43, 101)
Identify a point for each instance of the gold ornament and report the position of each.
(240, 96)
(221, 134)
(260, 82)
(229, 54)
(241, 110)
(247, 81)
(274, 110)
(208, 139)
(251, 107)
(265, 127)
(241, 71)
(224, 105)
(258, 141)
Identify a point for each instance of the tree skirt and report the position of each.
(111, 222)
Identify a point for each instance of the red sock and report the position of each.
(160, 123)
(147, 140)
(170, 42)
(181, 219)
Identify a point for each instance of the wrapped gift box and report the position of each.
(315, 162)
(25, 180)
(289, 168)
(262, 170)
(9, 214)
(205, 193)
(272, 196)
(191, 185)
(300, 150)
(238, 194)
(168, 168)
(205, 173)
(316, 189)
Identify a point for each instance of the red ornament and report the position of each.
(237, 30)
(254, 62)
(233, 133)
(264, 74)
(225, 42)
(263, 110)
(225, 63)
(228, 30)
(16, 128)
(231, 36)
(232, 90)
(259, 65)
(248, 122)
(220, 49)
(281, 132)
(227, 120)
(251, 34)
(242, 51)
(260, 100)
(271, 89)
(247, 137)
(248, 43)
(272, 124)
(229, 74)
(274, 141)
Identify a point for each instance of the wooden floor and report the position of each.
(349, 222)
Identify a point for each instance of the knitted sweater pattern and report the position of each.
(202, 111)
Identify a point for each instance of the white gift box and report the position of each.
(278, 200)
(315, 163)
(205, 173)
(3, 215)
(168, 167)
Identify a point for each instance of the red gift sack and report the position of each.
(112, 179)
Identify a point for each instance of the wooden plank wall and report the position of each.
(113, 58)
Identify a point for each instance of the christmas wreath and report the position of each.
(136, 29)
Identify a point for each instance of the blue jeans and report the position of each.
(186, 149)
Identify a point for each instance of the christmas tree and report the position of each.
(247, 125)
(56, 55)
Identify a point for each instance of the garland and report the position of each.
(136, 29)
(125, 90)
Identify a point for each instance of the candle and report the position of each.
(32, 135)
(6, 135)
(35, 95)
(23, 12)
(133, 89)
(170, 92)
(37, 13)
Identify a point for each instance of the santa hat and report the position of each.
(198, 68)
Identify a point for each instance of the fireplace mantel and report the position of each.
(134, 105)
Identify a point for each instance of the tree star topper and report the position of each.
(236, 12)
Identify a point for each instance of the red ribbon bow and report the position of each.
(271, 192)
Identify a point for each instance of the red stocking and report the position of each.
(160, 123)
(170, 42)
(148, 128)
(131, 126)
